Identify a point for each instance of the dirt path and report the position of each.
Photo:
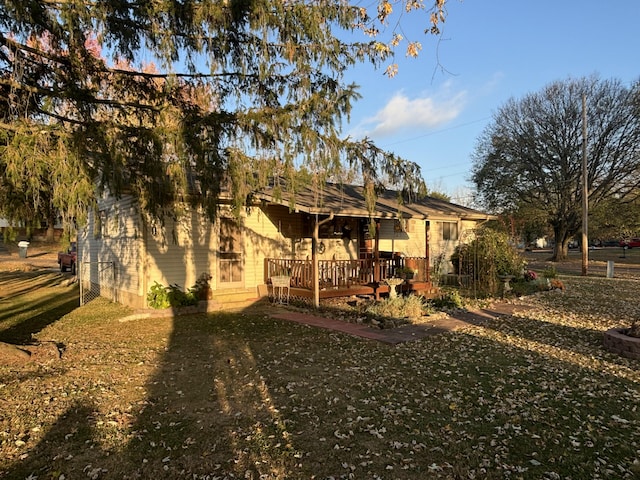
(406, 333)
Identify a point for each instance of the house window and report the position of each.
(230, 252)
(107, 224)
(449, 231)
(113, 224)
(100, 224)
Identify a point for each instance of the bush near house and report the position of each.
(160, 297)
(488, 256)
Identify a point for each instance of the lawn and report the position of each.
(242, 395)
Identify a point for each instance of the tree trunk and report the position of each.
(50, 236)
(561, 248)
(51, 220)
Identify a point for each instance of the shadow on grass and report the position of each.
(20, 283)
(240, 395)
(71, 436)
(23, 332)
(569, 338)
(207, 413)
(30, 308)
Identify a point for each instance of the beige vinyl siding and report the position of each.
(466, 230)
(407, 238)
(116, 238)
(179, 251)
(439, 245)
(268, 232)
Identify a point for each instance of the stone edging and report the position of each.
(616, 341)
(203, 306)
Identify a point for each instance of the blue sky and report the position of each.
(437, 106)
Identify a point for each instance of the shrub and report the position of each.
(201, 290)
(404, 271)
(160, 296)
(448, 299)
(550, 272)
(486, 257)
(398, 307)
(523, 287)
(178, 298)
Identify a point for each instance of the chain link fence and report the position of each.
(97, 279)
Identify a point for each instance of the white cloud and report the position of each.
(493, 83)
(402, 113)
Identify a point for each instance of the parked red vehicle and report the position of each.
(67, 260)
(630, 243)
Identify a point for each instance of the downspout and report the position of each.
(314, 258)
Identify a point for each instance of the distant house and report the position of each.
(355, 251)
(41, 233)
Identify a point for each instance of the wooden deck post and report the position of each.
(314, 259)
(376, 260)
(376, 254)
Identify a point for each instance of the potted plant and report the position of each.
(405, 272)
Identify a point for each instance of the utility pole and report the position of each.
(585, 192)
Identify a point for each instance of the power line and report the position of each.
(449, 175)
(448, 167)
(453, 127)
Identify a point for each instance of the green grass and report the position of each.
(242, 395)
(29, 301)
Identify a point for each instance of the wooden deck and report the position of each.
(345, 278)
(345, 273)
(421, 288)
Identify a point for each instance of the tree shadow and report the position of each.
(207, 411)
(527, 327)
(208, 399)
(68, 446)
(229, 398)
(21, 283)
(51, 309)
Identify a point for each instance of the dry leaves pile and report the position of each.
(245, 396)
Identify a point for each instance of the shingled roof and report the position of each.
(349, 200)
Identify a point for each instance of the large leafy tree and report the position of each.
(242, 93)
(618, 218)
(531, 153)
(40, 178)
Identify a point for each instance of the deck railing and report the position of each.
(344, 273)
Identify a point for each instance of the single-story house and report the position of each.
(122, 255)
